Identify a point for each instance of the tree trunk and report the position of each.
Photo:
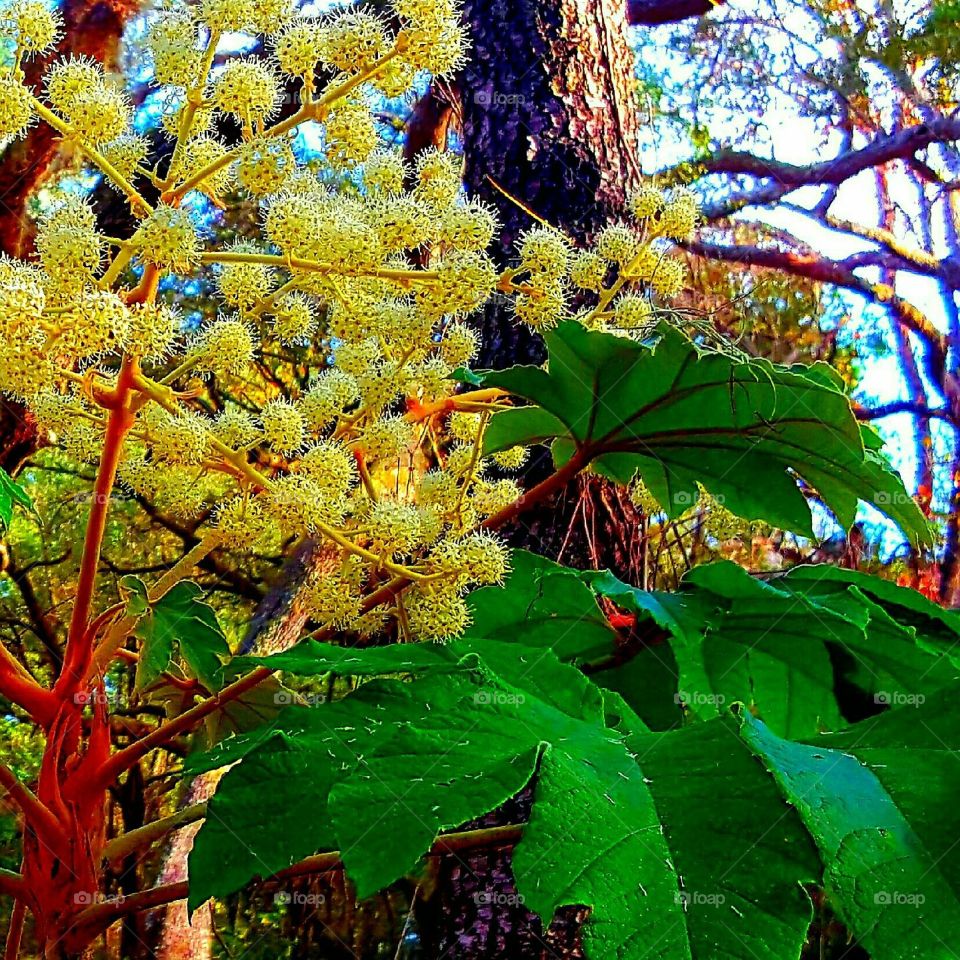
(549, 125)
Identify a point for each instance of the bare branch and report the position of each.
(839, 273)
(652, 13)
(902, 406)
(787, 177)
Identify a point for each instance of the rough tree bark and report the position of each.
(92, 28)
(549, 125)
(547, 117)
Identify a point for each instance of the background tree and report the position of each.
(833, 159)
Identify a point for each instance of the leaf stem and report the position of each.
(122, 846)
(317, 266)
(11, 949)
(124, 759)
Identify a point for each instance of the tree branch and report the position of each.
(841, 273)
(787, 177)
(652, 13)
(11, 884)
(20, 688)
(120, 847)
(902, 406)
(128, 756)
(37, 814)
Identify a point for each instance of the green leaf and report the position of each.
(679, 418)
(12, 495)
(294, 762)
(697, 841)
(447, 722)
(182, 620)
(533, 668)
(451, 765)
(315, 659)
(885, 821)
(649, 684)
(542, 604)
(685, 852)
(781, 645)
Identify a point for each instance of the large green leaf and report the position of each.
(781, 646)
(685, 850)
(680, 418)
(879, 800)
(693, 843)
(380, 773)
(290, 765)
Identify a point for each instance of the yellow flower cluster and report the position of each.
(376, 452)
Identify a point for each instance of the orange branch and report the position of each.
(37, 814)
(79, 648)
(20, 688)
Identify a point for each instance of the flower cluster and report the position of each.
(376, 452)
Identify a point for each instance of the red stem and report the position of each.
(11, 884)
(15, 930)
(79, 648)
(36, 813)
(20, 688)
(553, 483)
